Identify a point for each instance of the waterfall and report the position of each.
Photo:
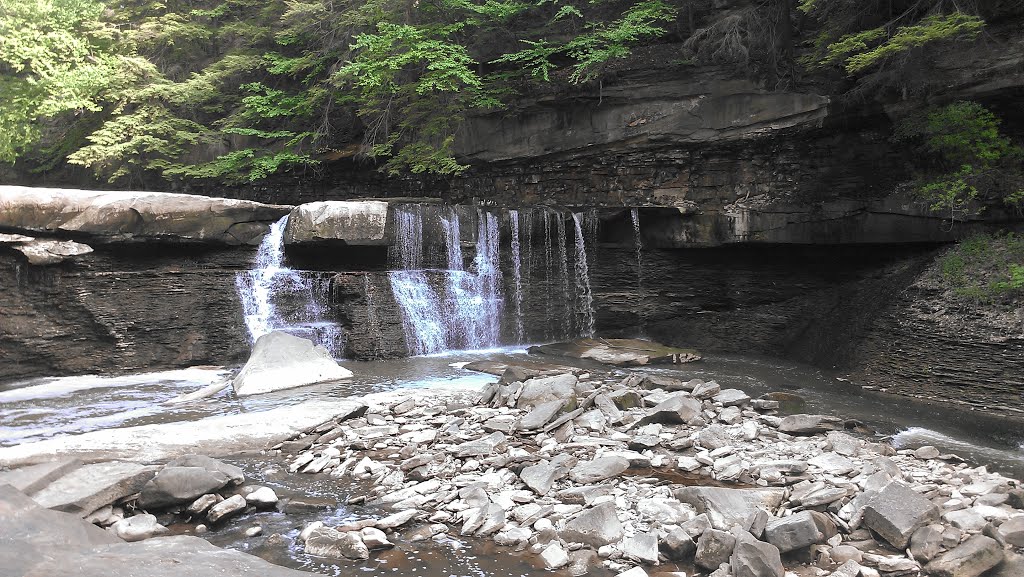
(453, 308)
(449, 301)
(584, 296)
(638, 244)
(563, 266)
(407, 252)
(275, 297)
(517, 266)
(255, 286)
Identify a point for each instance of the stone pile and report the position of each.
(121, 496)
(636, 471)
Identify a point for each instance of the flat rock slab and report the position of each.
(618, 352)
(116, 215)
(38, 542)
(530, 369)
(90, 487)
(214, 436)
(353, 222)
(727, 507)
(30, 479)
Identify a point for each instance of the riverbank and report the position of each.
(607, 471)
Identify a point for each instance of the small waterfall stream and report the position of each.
(638, 245)
(445, 306)
(275, 297)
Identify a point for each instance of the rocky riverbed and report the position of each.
(614, 472)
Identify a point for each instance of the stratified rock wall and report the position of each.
(121, 310)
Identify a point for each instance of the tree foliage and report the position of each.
(964, 157)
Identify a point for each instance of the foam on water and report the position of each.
(61, 386)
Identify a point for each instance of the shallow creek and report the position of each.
(42, 408)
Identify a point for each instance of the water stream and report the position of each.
(276, 297)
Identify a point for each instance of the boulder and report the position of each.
(678, 545)
(678, 408)
(263, 497)
(353, 222)
(138, 528)
(542, 476)
(117, 215)
(753, 558)
(714, 548)
(282, 361)
(896, 512)
(810, 424)
(706, 390)
(971, 558)
(543, 413)
(547, 389)
(926, 543)
(210, 464)
(328, 542)
(486, 446)
(89, 487)
(596, 526)
(599, 469)
(554, 556)
(176, 485)
(1012, 531)
(642, 546)
(374, 538)
(665, 511)
(727, 507)
(793, 532)
(227, 508)
(732, 398)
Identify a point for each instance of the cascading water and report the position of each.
(584, 296)
(452, 308)
(270, 284)
(459, 307)
(517, 267)
(638, 244)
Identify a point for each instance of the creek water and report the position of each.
(40, 408)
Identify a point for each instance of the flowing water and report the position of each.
(41, 408)
(634, 215)
(275, 297)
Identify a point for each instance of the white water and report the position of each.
(517, 276)
(584, 296)
(270, 282)
(452, 309)
(638, 244)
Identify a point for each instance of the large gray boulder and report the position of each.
(679, 408)
(896, 512)
(971, 558)
(87, 488)
(727, 507)
(714, 547)
(547, 389)
(233, 473)
(596, 526)
(177, 485)
(353, 222)
(598, 470)
(542, 476)
(810, 424)
(117, 215)
(282, 361)
(793, 532)
(753, 558)
(328, 542)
